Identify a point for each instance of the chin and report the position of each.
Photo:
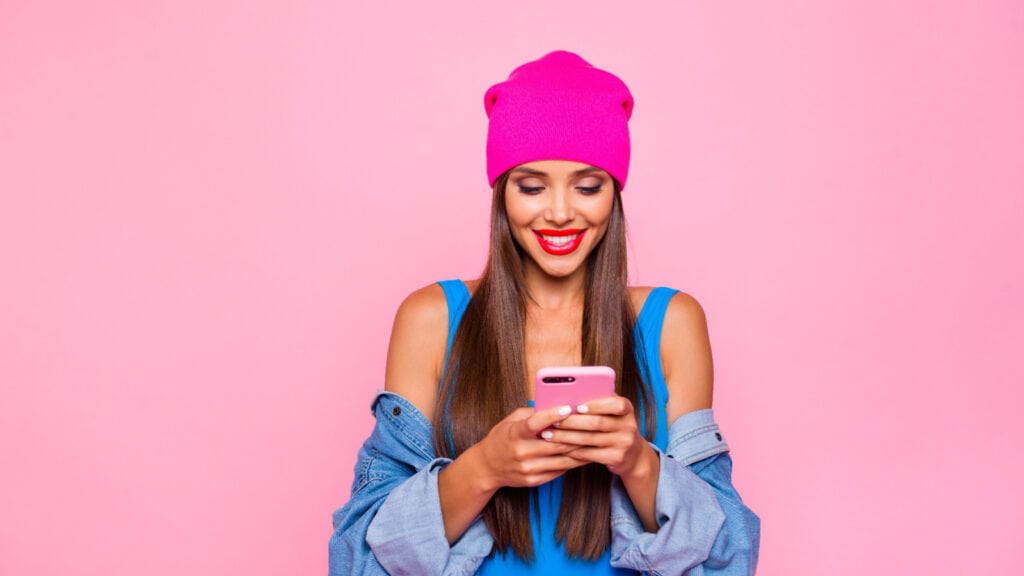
(561, 271)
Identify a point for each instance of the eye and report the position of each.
(531, 190)
(530, 185)
(589, 188)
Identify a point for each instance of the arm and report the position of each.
(412, 513)
(414, 368)
(689, 375)
(703, 525)
(609, 434)
(510, 455)
(393, 520)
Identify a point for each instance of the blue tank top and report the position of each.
(551, 556)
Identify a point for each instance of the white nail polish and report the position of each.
(582, 409)
(546, 434)
(565, 410)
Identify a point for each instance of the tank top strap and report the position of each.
(648, 343)
(457, 295)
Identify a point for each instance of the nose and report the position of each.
(560, 210)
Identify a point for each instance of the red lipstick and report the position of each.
(560, 248)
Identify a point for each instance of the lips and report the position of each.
(560, 242)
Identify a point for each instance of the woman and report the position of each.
(460, 475)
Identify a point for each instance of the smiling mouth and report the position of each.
(559, 242)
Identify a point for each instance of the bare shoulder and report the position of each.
(416, 351)
(685, 313)
(686, 356)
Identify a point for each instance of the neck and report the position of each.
(551, 293)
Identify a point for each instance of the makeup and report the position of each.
(560, 242)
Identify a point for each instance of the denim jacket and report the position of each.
(393, 525)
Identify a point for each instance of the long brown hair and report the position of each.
(485, 376)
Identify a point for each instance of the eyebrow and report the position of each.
(534, 172)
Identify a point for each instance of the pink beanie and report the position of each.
(559, 108)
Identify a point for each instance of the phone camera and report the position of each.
(558, 379)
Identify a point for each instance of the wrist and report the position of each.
(645, 468)
(473, 465)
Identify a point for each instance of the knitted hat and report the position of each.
(559, 108)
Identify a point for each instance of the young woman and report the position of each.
(461, 475)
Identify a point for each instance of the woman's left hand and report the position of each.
(606, 432)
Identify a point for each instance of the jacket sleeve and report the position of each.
(392, 523)
(704, 527)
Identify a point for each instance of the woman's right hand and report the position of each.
(514, 454)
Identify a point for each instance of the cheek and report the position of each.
(513, 218)
(601, 231)
(600, 214)
(519, 213)
(601, 217)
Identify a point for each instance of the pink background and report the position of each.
(210, 211)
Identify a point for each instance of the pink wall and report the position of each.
(210, 210)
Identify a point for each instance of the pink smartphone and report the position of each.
(572, 385)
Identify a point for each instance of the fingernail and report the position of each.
(565, 410)
(582, 409)
(546, 434)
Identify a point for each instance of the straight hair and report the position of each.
(485, 380)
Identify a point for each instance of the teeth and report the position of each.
(559, 241)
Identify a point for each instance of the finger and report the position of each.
(546, 446)
(611, 405)
(597, 423)
(561, 462)
(619, 436)
(606, 456)
(546, 418)
(575, 438)
(519, 414)
(528, 451)
(557, 464)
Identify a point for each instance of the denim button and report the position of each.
(719, 436)
(397, 410)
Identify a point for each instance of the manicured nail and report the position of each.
(565, 410)
(582, 409)
(546, 434)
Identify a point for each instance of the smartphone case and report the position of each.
(553, 386)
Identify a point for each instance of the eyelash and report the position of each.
(536, 189)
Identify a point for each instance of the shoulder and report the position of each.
(423, 306)
(684, 315)
(681, 307)
(422, 315)
(426, 310)
(686, 356)
(419, 337)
